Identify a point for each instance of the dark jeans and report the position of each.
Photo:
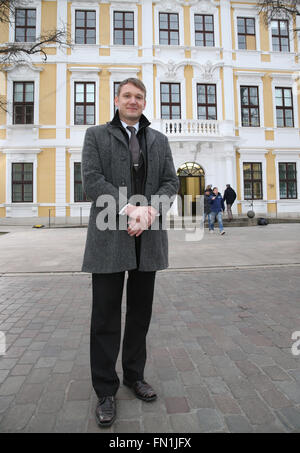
(106, 328)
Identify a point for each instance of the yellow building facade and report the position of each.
(220, 84)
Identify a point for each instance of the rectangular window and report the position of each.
(170, 101)
(25, 25)
(206, 102)
(250, 106)
(204, 30)
(84, 103)
(288, 180)
(23, 103)
(79, 195)
(85, 27)
(280, 35)
(22, 183)
(284, 107)
(169, 29)
(124, 28)
(246, 33)
(252, 181)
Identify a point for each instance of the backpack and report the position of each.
(262, 221)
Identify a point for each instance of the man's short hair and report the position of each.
(215, 188)
(136, 82)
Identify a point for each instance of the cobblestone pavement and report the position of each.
(219, 354)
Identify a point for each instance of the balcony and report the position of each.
(190, 130)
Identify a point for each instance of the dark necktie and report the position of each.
(134, 147)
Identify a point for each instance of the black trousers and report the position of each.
(106, 328)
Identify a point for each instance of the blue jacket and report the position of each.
(217, 204)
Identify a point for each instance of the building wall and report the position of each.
(54, 143)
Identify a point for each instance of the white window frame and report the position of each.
(20, 156)
(84, 6)
(251, 79)
(169, 8)
(84, 74)
(23, 72)
(126, 7)
(250, 14)
(34, 4)
(181, 82)
(291, 39)
(215, 81)
(289, 156)
(254, 156)
(284, 81)
(209, 11)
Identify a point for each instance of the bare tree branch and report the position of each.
(278, 9)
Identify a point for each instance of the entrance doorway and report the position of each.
(192, 182)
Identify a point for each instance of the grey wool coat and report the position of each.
(106, 166)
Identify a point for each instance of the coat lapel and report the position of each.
(118, 134)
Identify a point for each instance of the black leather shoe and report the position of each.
(142, 390)
(106, 411)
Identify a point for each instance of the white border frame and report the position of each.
(284, 81)
(161, 78)
(289, 157)
(84, 74)
(167, 8)
(84, 6)
(254, 156)
(124, 7)
(20, 156)
(33, 4)
(291, 39)
(212, 11)
(250, 13)
(215, 81)
(251, 79)
(23, 72)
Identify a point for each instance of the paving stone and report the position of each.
(189, 423)
(256, 411)
(290, 417)
(38, 376)
(291, 390)
(226, 404)
(238, 424)
(199, 397)
(5, 402)
(17, 417)
(127, 426)
(3, 375)
(209, 420)
(276, 373)
(63, 366)
(129, 409)
(79, 390)
(51, 401)
(176, 405)
(29, 393)
(21, 370)
(11, 385)
(156, 424)
(276, 399)
(45, 362)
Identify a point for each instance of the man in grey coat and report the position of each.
(122, 159)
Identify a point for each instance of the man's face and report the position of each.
(216, 191)
(131, 103)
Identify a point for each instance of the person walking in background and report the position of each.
(207, 209)
(229, 197)
(217, 208)
(209, 188)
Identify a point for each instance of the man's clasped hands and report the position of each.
(140, 218)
